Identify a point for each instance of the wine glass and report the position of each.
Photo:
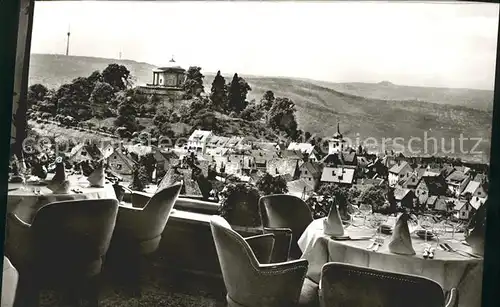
(26, 173)
(426, 223)
(376, 222)
(439, 229)
(365, 210)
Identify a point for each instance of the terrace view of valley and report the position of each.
(192, 162)
(286, 133)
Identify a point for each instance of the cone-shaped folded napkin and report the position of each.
(59, 183)
(97, 177)
(476, 237)
(400, 241)
(332, 225)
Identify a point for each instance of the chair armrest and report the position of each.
(262, 246)
(140, 199)
(18, 245)
(282, 243)
(128, 219)
(452, 298)
(278, 284)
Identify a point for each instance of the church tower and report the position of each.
(337, 142)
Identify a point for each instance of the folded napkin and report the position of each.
(400, 241)
(332, 225)
(59, 184)
(97, 177)
(476, 239)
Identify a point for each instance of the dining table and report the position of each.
(25, 199)
(458, 267)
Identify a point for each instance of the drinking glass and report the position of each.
(426, 223)
(439, 229)
(376, 222)
(26, 173)
(365, 210)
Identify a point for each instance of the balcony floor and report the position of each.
(160, 287)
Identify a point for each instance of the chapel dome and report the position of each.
(172, 65)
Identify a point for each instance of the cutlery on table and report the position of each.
(462, 251)
(450, 249)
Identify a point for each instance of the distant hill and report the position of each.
(382, 110)
(470, 98)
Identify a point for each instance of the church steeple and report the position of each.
(337, 134)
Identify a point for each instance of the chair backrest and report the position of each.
(75, 232)
(157, 210)
(236, 258)
(285, 211)
(349, 285)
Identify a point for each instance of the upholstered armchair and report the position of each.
(9, 283)
(287, 216)
(349, 285)
(65, 246)
(139, 228)
(252, 282)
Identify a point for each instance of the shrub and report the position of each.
(239, 204)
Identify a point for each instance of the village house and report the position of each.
(216, 142)
(376, 169)
(138, 150)
(474, 189)
(346, 157)
(463, 209)
(107, 150)
(310, 172)
(458, 181)
(308, 150)
(85, 152)
(165, 159)
(476, 202)
(302, 147)
(431, 186)
(404, 197)
(283, 167)
(441, 204)
(198, 141)
(121, 163)
(235, 142)
(261, 157)
(398, 172)
(343, 176)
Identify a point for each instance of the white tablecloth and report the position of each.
(9, 283)
(25, 203)
(450, 270)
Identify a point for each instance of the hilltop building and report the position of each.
(167, 80)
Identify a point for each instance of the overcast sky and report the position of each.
(424, 44)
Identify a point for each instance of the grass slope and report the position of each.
(320, 105)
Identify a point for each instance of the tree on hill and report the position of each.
(267, 100)
(252, 113)
(95, 77)
(72, 99)
(117, 76)
(126, 115)
(237, 94)
(36, 93)
(269, 185)
(218, 94)
(281, 116)
(102, 93)
(193, 86)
